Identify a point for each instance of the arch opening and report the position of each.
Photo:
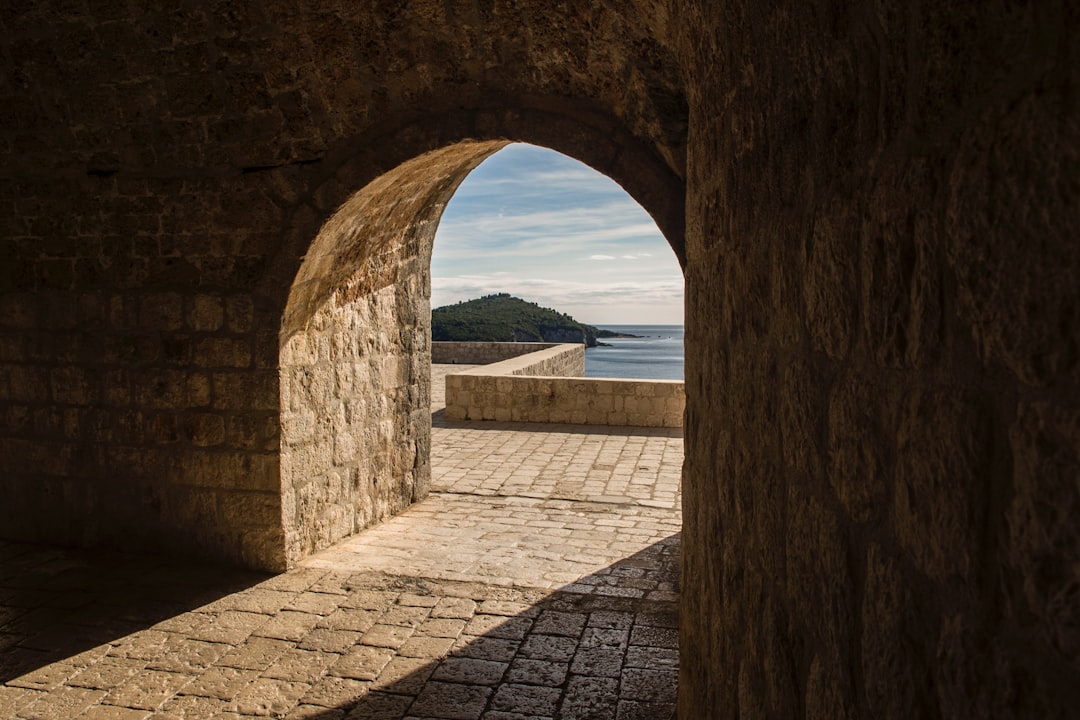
(354, 353)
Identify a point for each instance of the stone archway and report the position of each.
(354, 345)
(881, 296)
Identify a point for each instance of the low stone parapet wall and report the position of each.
(482, 353)
(546, 387)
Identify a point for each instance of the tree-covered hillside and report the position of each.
(504, 318)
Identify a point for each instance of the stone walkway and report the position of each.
(537, 581)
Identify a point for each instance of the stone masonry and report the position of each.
(215, 227)
(545, 386)
(501, 596)
(481, 353)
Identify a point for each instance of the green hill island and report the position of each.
(505, 318)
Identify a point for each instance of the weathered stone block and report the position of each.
(205, 429)
(207, 313)
(857, 458)
(942, 460)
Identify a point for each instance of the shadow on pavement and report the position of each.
(334, 646)
(57, 603)
(610, 654)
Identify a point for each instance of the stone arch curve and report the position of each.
(354, 345)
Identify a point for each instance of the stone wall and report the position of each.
(546, 386)
(481, 353)
(875, 205)
(347, 460)
(138, 385)
(355, 343)
(476, 395)
(883, 435)
(564, 360)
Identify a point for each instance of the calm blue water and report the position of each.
(657, 354)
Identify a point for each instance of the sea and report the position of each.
(657, 354)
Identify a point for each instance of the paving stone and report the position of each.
(640, 656)
(332, 584)
(499, 626)
(146, 645)
(526, 699)
(388, 636)
(426, 647)
(289, 625)
(457, 608)
(315, 712)
(605, 638)
(147, 690)
(414, 600)
(354, 619)
(62, 702)
(230, 627)
(654, 636)
(648, 685)
(528, 671)
(301, 665)
(380, 706)
(191, 706)
(470, 671)
(261, 600)
(441, 628)
(549, 647)
(503, 607)
(590, 697)
(605, 662)
(335, 641)
(404, 675)
(223, 683)
(362, 662)
(333, 692)
(12, 699)
(406, 616)
(188, 656)
(111, 712)
(451, 701)
(316, 603)
(256, 653)
(268, 696)
(295, 581)
(553, 622)
(486, 648)
(637, 710)
(368, 599)
(106, 673)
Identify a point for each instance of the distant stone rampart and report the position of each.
(483, 353)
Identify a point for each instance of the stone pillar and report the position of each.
(882, 369)
(356, 355)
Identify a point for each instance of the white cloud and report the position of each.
(525, 222)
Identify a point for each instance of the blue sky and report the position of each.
(548, 229)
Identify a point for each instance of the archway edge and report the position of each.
(584, 134)
(354, 331)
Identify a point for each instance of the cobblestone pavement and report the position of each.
(498, 598)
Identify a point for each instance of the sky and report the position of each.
(550, 230)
